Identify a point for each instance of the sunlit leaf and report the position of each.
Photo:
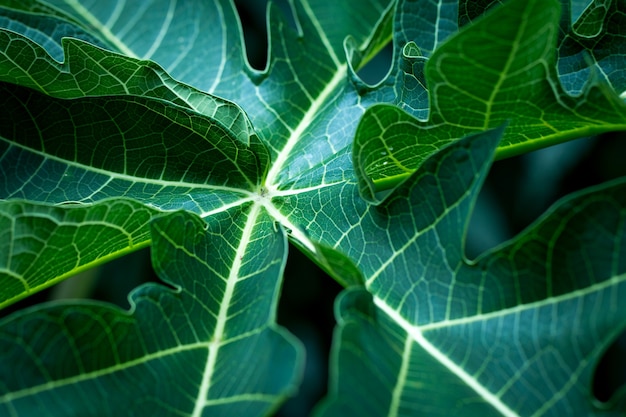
(517, 332)
(116, 113)
(496, 71)
(216, 327)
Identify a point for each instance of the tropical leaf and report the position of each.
(43, 24)
(591, 45)
(41, 243)
(498, 70)
(140, 107)
(155, 160)
(517, 332)
(146, 117)
(221, 314)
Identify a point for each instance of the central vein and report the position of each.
(295, 134)
(222, 316)
(416, 335)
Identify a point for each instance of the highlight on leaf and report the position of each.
(128, 125)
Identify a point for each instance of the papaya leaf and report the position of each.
(190, 336)
(517, 332)
(128, 124)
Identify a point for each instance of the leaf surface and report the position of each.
(102, 126)
(220, 315)
(96, 127)
(517, 332)
(498, 70)
(41, 244)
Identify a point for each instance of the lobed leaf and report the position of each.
(500, 69)
(44, 25)
(42, 244)
(591, 45)
(100, 126)
(213, 329)
(517, 332)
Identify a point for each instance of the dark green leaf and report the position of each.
(517, 332)
(215, 328)
(41, 245)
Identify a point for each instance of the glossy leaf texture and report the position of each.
(156, 140)
(517, 332)
(41, 243)
(500, 69)
(145, 116)
(102, 126)
(215, 327)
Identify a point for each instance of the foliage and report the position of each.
(134, 124)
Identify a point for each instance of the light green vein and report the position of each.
(222, 317)
(321, 33)
(100, 27)
(415, 333)
(396, 396)
(610, 283)
(162, 31)
(133, 179)
(31, 391)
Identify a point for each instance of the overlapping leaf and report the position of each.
(284, 89)
(592, 35)
(518, 332)
(303, 106)
(498, 70)
(140, 110)
(39, 244)
(101, 126)
(176, 352)
(590, 41)
(128, 131)
(186, 149)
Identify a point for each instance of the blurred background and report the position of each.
(516, 192)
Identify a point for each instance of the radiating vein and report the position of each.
(134, 179)
(59, 383)
(309, 116)
(505, 71)
(415, 333)
(396, 395)
(222, 317)
(162, 31)
(598, 287)
(97, 24)
(321, 33)
(224, 49)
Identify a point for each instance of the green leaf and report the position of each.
(286, 104)
(590, 42)
(517, 332)
(198, 43)
(150, 162)
(42, 245)
(150, 138)
(43, 24)
(84, 124)
(58, 168)
(210, 331)
(592, 45)
(90, 71)
(499, 70)
(135, 141)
